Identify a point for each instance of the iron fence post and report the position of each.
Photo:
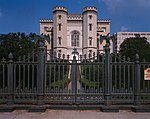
(41, 74)
(74, 75)
(10, 79)
(74, 78)
(107, 82)
(137, 81)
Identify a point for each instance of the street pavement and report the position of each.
(73, 114)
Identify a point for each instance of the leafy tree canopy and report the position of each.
(135, 45)
(18, 44)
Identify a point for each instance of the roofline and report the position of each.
(50, 20)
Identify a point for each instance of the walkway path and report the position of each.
(78, 78)
(66, 114)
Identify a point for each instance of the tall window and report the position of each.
(59, 40)
(59, 27)
(59, 16)
(90, 16)
(90, 27)
(90, 40)
(75, 38)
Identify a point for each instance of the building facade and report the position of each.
(69, 31)
(121, 36)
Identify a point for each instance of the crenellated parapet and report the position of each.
(75, 17)
(90, 9)
(60, 8)
(104, 21)
(46, 21)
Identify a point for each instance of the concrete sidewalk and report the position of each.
(73, 114)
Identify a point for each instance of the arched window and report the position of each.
(75, 38)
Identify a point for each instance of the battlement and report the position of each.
(90, 9)
(46, 20)
(60, 8)
(75, 17)
(104, 20)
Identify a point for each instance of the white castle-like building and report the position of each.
(69, 31)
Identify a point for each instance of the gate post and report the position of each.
(108, 80)
(137, 81)
(10, 79)
(74, 75)
(41, 73)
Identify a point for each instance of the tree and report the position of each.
(135, 45)
(18, 44)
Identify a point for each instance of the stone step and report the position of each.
(7, 108)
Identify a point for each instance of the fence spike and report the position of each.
(89, 55)
(67, 57)
(54, 54)
(63, 56)
(137, 57)
(3, 59)
(24, 58)
(19, 58)
(144, 60)
(124, 58)
(119, 57)
(59, 55)
(10, 56)
(93, 54)
(80, 57)
(85, 56)
(128, 59)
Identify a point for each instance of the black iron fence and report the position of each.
(95, 79)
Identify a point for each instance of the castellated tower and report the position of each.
(60, 30)
(89, 30)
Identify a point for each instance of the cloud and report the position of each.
(116, 6)
(120, 6)
(124, 28)
(112, 5)
(144, 3)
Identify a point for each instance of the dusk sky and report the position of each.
(24, 15)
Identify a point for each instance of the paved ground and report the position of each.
(65, 114)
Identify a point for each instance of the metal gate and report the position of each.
(74, 81)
